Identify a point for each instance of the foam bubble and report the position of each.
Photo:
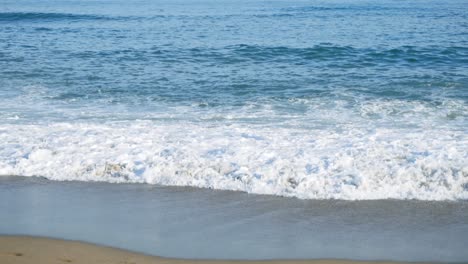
(348, 163)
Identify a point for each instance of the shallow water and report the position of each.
(188, 222)
(336, 99)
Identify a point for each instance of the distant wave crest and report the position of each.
(321, 55)
(32, 16)
(328, 52)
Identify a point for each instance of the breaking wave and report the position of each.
(351, 164)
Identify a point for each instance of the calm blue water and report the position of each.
(341, 99)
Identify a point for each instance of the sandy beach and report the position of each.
(37, 250)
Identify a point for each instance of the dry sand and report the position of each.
(29, 250)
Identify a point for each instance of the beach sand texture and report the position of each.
(38, 250)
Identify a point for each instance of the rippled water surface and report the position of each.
(341, 99)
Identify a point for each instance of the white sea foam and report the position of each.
(351, 162)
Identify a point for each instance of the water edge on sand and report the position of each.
(184, 222)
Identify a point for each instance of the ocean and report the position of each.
(235, 129)
(340, 99)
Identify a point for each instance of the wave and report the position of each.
(324, 54)
(34, 16)
(328, 52)
(355, 163)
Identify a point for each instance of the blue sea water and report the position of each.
(340, 99)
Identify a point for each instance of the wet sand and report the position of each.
(191, 223)
(37, 250)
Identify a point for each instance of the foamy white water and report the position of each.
(333, 99)
(355, 160)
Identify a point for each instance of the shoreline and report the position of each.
(19, 249)
(190, 223)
